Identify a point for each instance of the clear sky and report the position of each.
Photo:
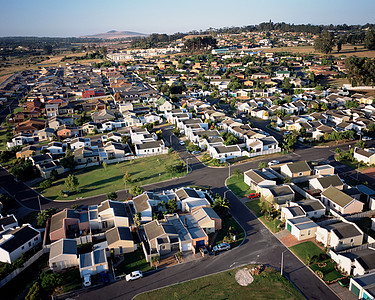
(82, 17)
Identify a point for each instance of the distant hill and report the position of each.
(114, 34)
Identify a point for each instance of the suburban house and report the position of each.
(79, 143)
(358, 262)
(257, 179)
(63, 254)
(280, 195)
(151, 148)
(207, 219)
(147, 204)
(68, 223)
(313, 208)
(120, 240)
(225, 152)
(325, 182)
(117, 150)
(291, 212)
(86, 155)
(295, 169)
(363, 286)
(93, 262)
(364, 156)
(301, 227)
(16, 241)
(189, 199)
(339, 236)
(336, 199)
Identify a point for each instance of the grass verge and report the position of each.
(230, 227)
(132, 262)
(237, 185)
(256, 207)
(268, 285)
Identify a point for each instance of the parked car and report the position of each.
(203, 251)
(133, 275)
(195, 152)
(253, 195)
(366, 138)
(182, 143)
(273, 162)
(86, 280)
(221, 247)
(287, 132)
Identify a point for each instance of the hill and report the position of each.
(114, 34)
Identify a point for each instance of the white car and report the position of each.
(134, 275)
(182, 143)
(221, 247)
(366, 138)
(273, 162)
(86, 280)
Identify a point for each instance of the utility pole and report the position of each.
(40, 207)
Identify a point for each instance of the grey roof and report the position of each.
(63, 246)
(153, 230)
(85, 260)
(256, 175)
(363, 152)
(333, 180)
(4, 221)
(296, 211)
(226, 149)
(118, 233)
(99, 256)
(303, 223)
(192, 226)
(311, 205)
(57, 219)
(149, 145)
(367, 282)
(20, 236)
(299, 166)
(184, 193)
(366, 257)
(344, 230)
(337, 196)
(118, 208)
(281, 190)
(141, 202)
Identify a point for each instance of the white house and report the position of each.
(151, 148)
(364, 156)
(15, 242)
(363, 286)
(80, 142)
(341, 202)
(93, 262)
(63, 254)
(225, 152)
(301, 227)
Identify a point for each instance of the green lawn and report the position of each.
(132, 262)
(255, 207)
(305, 250)
(71, 280)
(96, 180)
(268, 285)
(238, 186)
(3, 141)
(236, 229)
(329, 271)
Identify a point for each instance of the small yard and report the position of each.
(71, 281)
(271, 220)
(230, 227)
(317, 260)
(132, 262)
(98, 180)
(211, 162)
(237, 185)
(268, 285)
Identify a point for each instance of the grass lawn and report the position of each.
(305, 250)
(236, 229)
(96, 180)
(329, 271)
(71, 280)
(268, 285)
(132, 262)
(255, 207)
(3, 141)
(238, 186)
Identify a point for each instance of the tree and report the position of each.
(339, 46)
(288, 141)
(34, 292)
(112, 195)
(105, 166)
(71, 182)
(338, 150)
(126, 178)
(23, 169)
(137, 219)
(45, 184)
(54, 175)
(221, 205)
(262, 165)
(370, 40)
(155, 261)
(324, 43)
(68, 161)
(43, 216)
(237, 172)
(136, 190)
(172, 205)
(50, 280)
(360, 144)
(47, 49)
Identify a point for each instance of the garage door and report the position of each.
(355, 290)
(186, 247)
(289, 227)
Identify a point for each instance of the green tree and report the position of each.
(155, 261)
(237, 172)
(289, 141)
(112, 196)
(262, 165)
(137, 219)
(34, 292)
(105, 166)
(71, 182)
(370, 40)
(45, 184)
(54, 175)
(50, 280)
(68, 161)
(221, 205)
(339, 46)
(126, 178)
(172, 205)
(136, 190)
(360, 144)
(324, 43)
(43, 216)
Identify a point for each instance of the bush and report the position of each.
(45, 184)
(136, 190)
(34, 292)
(50, 280)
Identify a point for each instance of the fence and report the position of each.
(29, 262)
(84, 239)
(365, 246)
(271, 151)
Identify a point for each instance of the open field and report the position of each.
(268, 285)
(97, 180)
(347, 50)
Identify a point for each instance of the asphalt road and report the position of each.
(260, 246)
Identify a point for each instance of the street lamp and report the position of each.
(225, 193)
(282, 262)
(187, 165)
(40, 207)
(229, 169)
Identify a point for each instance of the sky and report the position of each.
(82, 17)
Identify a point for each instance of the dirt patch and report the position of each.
(243, 277)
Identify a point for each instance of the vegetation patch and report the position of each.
(237, 185)
(132, 262)
(266, 214)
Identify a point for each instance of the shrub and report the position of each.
(45, 184)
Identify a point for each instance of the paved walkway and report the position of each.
(168, 261)
(342, 292)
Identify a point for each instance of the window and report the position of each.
(300, 174)
(35, 239)
(23, 247)
(351, 240)
(29, 244)
(54, 265)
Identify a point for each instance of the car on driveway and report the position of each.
(273, 162)
(182, 143)
(366, 138)
(195, 152)
(253, 195)
(221, 247)
(134, 275)
(204, 251)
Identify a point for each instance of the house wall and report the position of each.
(340, 244)
(5, 256)
(127, 247)
(353, 207)
(343, 262)
(63, 261)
